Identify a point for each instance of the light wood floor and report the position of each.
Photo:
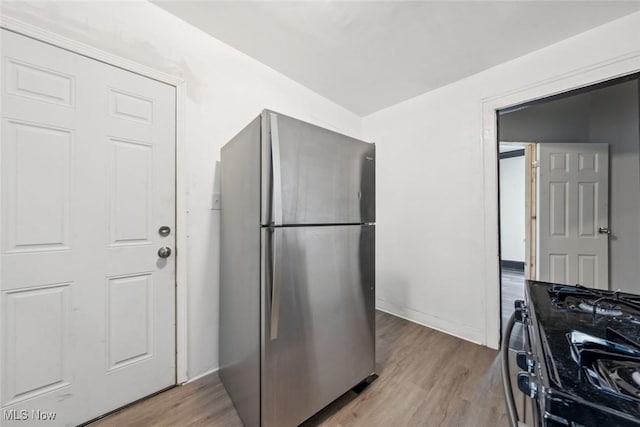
(512, 290)
(426, 378)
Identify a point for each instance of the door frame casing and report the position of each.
(595, 73)
(182, 190)
(529, 149)
(530, 209)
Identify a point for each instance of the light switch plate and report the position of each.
(216, 202)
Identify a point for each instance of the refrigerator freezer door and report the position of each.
(311, 175)
(318, 317)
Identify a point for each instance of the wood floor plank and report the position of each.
(512, 290)
(426, 378)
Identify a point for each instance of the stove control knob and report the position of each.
(521, 360)
(533, 387)
(525, 361)
(520, 310)
(527, 385)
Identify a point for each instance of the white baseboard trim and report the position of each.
(202, 375)
(464, 332)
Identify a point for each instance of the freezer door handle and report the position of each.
(275, 287)
(277, 171)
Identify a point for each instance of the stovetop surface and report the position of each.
(611, 328)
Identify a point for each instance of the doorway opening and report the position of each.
(569, 195)
(537, 207)
(513, 242)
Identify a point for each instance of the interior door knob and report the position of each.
(604, 230)
(164, 252)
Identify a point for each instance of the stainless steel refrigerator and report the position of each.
(297, 268)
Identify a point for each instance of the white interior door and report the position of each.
(88, 178)
(573, 214)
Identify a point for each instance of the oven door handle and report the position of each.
(512, 411)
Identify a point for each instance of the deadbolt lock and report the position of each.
(164, 231)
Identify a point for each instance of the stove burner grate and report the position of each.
(610, 366)
(596, 308)
(618, 377)
(588, 305)
(607, 303)
(635, 376)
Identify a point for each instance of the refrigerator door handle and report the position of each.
(275, 287)
(277, 173)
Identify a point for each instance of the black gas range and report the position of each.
(581, 364)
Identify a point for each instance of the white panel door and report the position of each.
(573, 214)
(88, 178)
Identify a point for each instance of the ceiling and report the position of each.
(368, 55)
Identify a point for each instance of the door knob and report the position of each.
(164, 252)
(604, 230)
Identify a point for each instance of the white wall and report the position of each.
(512, 212)
(607, 115)
(430, 262)
(226, 89)
(432, 220)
